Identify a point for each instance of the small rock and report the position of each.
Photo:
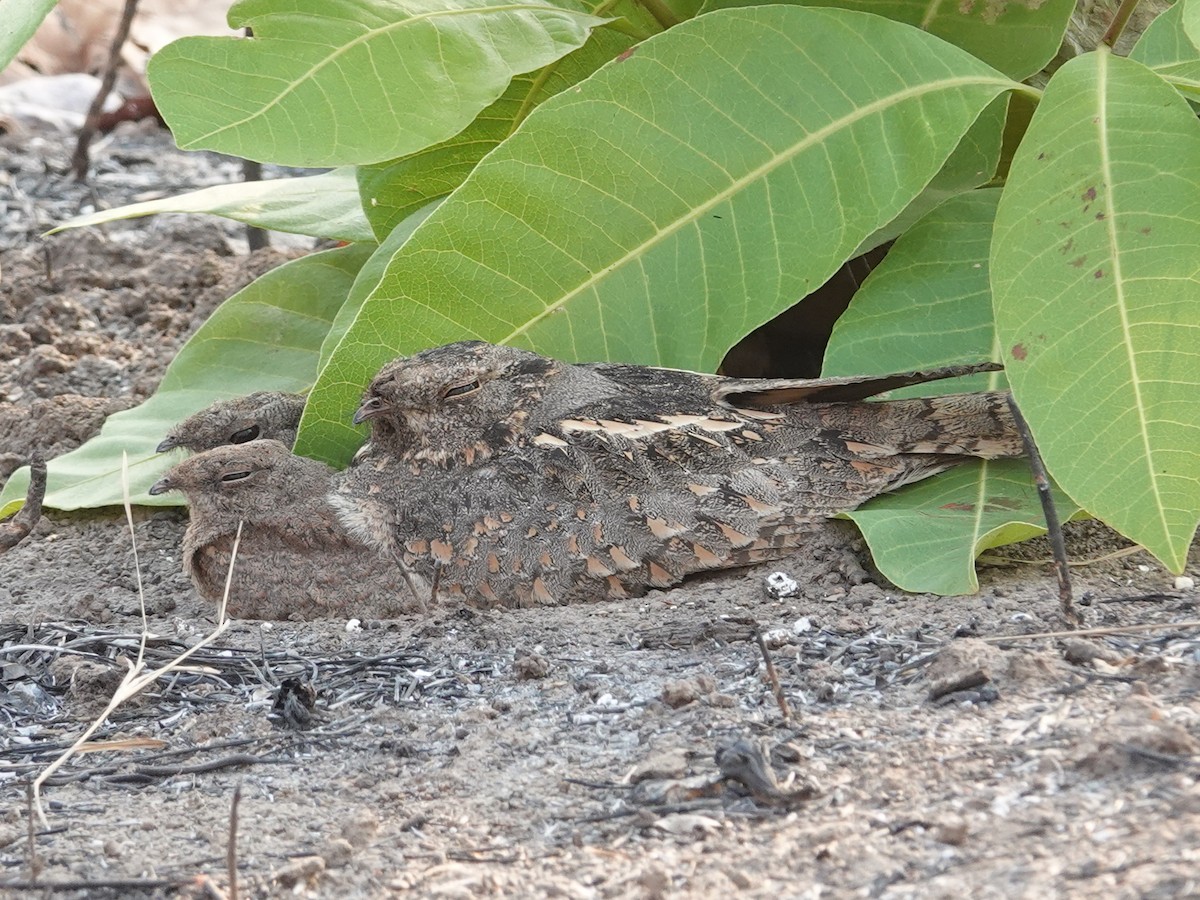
(1081, 652)
(337, 853)
(531, 667)
(953, 833)
(361, 827)
(1185, 583)
(304, 870)
(667, 764)
(781, 584)
(739, 878)
(687, 690)
(962, 665)
(654, 881)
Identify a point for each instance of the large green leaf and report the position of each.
(393, 190)
(324, 206)
(938, 526)
(19, 19)
(928, 304)
(265, 337)
(335, 82)
(1166, 48)
(1096, 288)
(973, 163)
(675, 200)
(1018, 38)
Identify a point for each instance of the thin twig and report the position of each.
(35, 866)
(15, 529)
(79, 160)
(231, 849)
(772, 675)
(1066, 600)
(136, 679)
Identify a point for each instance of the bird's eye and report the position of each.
(461, 390)
(246, 434)
(235, 476)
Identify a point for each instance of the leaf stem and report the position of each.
(530, 100)
(619, 23)
(1120, 20)
(663, 14)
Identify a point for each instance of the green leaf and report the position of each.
(726, 171)
(336, 82)
(925, 537)
(368, 278)
(1166, 48)
(324, 206)
(973, 163)
(393, 190)
(265, 337)
(1189, 13)
(19, 19)
(1018, 38)
(1095, 286)
(928, 304)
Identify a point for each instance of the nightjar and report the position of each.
(295, 559)
(273, 415)
(509, 478)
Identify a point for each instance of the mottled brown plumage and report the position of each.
(265, 415)
(295, 560)
(515, 479)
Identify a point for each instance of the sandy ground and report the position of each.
(931, 747)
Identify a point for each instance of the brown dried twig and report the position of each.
(773, 676)
(231, 848)
(15, 529)
(79, 160)
(1050, 512)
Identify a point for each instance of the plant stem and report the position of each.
(1053, 527)
(80, 159)
(530, 100)
(1120, 20)
(662, 13)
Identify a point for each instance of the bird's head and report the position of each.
(273, 415)
(245, 480)
(460, 402)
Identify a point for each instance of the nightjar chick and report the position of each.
(510, 478)
(295, 559)
(273, 415)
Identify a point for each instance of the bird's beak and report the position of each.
(371, 407)
(167, 443)
(161, 486)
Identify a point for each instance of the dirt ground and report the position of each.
(932, 747)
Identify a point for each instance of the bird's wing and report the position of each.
(760, 392)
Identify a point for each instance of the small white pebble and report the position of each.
(780, 584)
(266, 626)
(353, 625)
(1184, 583)
(1143, 568)
(800, 626)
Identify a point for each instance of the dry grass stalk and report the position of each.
(136, 679)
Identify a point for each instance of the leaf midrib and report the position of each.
(368, 36)
(1110, 223)
(749, 178)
